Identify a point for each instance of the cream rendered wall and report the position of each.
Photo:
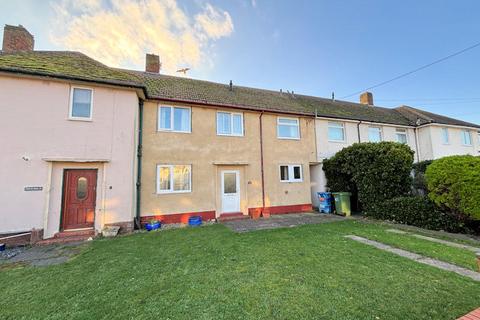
(34, 124)
(455, 145)
(327, 148)
(209, 153)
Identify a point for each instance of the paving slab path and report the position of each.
(445, 242)
(281, 221)
(419, 258)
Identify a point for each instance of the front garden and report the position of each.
(307, 272)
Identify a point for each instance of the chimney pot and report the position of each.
(152, 63)
(17, 38)
(366, 98)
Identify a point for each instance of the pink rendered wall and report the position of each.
(34, 123)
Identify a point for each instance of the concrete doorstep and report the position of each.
(419, 258)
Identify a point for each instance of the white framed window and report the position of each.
(174, 178)
(291, 173)
(175, 119)
(288, 128)
(229, 124)
(336, 131)
(445, 136)
(401, 135)
(81, 104)
(466, 138)
(374, 134)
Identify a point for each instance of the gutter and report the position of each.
(137, 223)
(415, 130)
(261, 167)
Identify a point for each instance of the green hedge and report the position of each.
(374, 172)
(418, 211)
(454, 184)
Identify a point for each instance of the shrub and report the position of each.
(454, 184)
(418, 211)
(374, 172)
(419, 182)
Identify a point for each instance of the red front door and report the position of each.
(79, 194)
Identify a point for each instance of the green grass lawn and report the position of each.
(460, 257)
(308, 272)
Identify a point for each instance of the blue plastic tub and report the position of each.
(195, 221)
(153, 226)
(325, 199)
(2, 246)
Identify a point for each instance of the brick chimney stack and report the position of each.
(366, 98)
(17, 38)
(152, 63)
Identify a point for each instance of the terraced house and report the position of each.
(86, 145)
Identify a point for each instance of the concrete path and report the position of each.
(281, 221)
(419, 258)
(40, 255)
(445, 242)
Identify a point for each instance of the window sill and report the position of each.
(80, 119)
(173, 131)
(291, 181)
(231, 135)
(337, 141)
(173, 192)
(284, 138)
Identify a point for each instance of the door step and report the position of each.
(68, 237)
(232, 216)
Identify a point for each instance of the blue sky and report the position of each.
(311, 47)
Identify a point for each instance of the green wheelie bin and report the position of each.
(342, 203)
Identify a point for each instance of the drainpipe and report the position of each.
(417, 149)
(358, 130)
(139, 163)
(261, 167)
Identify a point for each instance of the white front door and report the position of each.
(230, 191)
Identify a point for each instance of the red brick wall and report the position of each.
(17, 39)
(179, 217)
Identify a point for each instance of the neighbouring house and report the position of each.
(68, 134)
(87, 145)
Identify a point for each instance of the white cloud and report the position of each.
(254, 3)
(120, 32)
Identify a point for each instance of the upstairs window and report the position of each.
(445, 136)
(374, 134)
(81, 102)
(336, 131)
(229, 124)
(466, 138)
(288, 128)
(401, 135)
(175, 119)
(291, 173)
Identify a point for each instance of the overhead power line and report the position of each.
(415, 70)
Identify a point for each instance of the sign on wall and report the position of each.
(32, 188)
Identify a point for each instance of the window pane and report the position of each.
(335, 134)
(287, 131)
(165, 118)
(181, 178)
(374, 135)
(288, 121)
(284, 173)
(445, 135)
(237, 124)
(81, 104)
(229, 182)
(164, 178)
(297, 175)
(81, 188)
(223, 123)
(466, 139)
(181, 119)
